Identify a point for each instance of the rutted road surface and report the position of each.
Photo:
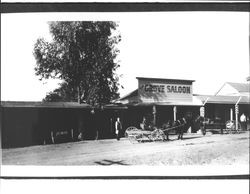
(195, 149)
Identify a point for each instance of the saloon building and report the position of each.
(159, 100)
(172, 99)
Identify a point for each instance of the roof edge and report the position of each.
(163, 79)
(43, 104)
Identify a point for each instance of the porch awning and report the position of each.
(132, 99)
(224, 99)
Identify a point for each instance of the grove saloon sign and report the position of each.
(164, 90)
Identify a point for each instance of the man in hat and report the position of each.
(118, 128)
(243, 121)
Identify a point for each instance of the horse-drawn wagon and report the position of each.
(155, 133)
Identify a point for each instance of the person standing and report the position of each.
(243, 121)
(143, 123)
(118, 128)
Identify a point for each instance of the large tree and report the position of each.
(83, 55)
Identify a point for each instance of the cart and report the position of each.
(157, 134)
(231, 127)
(138, 135)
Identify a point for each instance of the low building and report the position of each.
(160, 100)
(34, 123)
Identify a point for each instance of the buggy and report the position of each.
(155, 134)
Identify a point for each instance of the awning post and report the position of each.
(154, 115)
(236, 117)
(231, 114)
(175, 112)
(237, 113)
(202, 111)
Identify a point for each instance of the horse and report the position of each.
(201, 122)
(165, 128)
(180, 126)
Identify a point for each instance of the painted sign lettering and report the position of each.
(178, 89)
(166, 88)
(164, 91)
(154, 88)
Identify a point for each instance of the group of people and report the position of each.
(145, 125)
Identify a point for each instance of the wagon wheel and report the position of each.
(229, 126)
(150, 137)
(145, 137)
(157, 135)
(131, 128)
(229, 131)
(234, 130)
(139, 137)
(132, 138)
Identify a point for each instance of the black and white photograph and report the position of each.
(90, 94)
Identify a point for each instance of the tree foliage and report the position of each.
(83, 55)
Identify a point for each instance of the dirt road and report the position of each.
(195, 149)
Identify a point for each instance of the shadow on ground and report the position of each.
(110, 162)
(186, 138)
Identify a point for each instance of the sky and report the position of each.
(209, 47)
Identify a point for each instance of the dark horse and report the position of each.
(179, 126)
(201, 122)
(166, 128)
